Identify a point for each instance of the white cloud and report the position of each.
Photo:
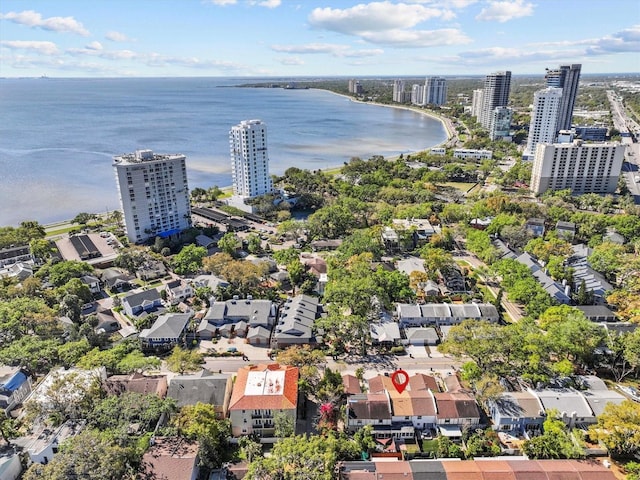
(270, 3)
(446, 3)
(374, 17)
(94, 46)
(505, 11)
(292, 61)
(627, 40)
(385, 23)
(116, 37)
(44, 48)
(336, 50)
(224, 2)
(55, 24)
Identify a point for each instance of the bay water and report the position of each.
(58, 136)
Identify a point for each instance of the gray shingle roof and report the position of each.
(168, 325)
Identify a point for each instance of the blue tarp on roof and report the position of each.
(168, 233)
(14, 382)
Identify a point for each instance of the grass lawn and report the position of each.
(459, 185)
(412, 447)
(430, 445)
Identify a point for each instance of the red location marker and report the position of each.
(400, 380)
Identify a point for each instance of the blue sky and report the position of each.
(107, 38)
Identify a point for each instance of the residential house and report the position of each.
(598, 313)
(415, 407)
(438, 314)
(478, 469)
(536, 226)
(168, 330)
(209, 281)
(146, 301)
(178, 291)
(613, 237)
(517, 413)
(420, 229)
(203, 387)
(107, 322)
(92, 282)
(115, 280)
(15, 386)
(10, 466)
(369, 409)
(171, 458)
(411, 264)
(422, 336)
(295, 321)
(430, 288)
(259, 393)
(582, 272)
(205, 241)
(557, 291)
(351, 384)
(573, 409)
(151, 269)
(390, 240)
(254, 314)
(20, 271)
(136, 383)
(79, 382)
(566, 230)
(385, 334)
(599, 399)
(316, 266)
(42, 445)
(453, 279)
(321, 245)
(11, 255)
(455, 410)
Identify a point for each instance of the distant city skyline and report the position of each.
(263, 38)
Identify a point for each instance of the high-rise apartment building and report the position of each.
(355, 86)
(566, 77)
(435, 91)
(417, 94)
(500, 124)
(578, 166)
(249, 159)
(398, 91)
(476, 103)
(154, 194)
(495, 94)
(544, 118)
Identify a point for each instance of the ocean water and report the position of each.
(58, 136)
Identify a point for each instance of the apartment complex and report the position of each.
(435, 91)
(544, 119)
(249, 159)
(398, 91)
(500, 123)
(154, 194)
(566, 77)
(494, 94)
(581, 167)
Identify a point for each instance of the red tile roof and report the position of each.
(287, 400)
(351, 384)
(170, 458)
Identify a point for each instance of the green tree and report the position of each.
(189, 260)
(88, 455)
(229, 243)
(435, 259)
(249, 448)
(182, 360)
(200, 422)
(298, 458)
(254, 244)
(555, 442)
(607, 258)
(618, 428)
(62, 272)
(283, 425)
(83, 218)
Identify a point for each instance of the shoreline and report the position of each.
(446, 123)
